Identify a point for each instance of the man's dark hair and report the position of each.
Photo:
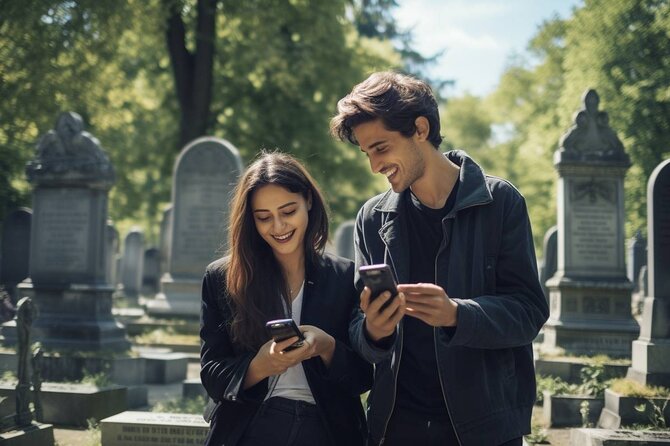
(395, 98)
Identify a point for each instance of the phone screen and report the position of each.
(282, 329)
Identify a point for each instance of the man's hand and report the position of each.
(430, 303)
(381, 324)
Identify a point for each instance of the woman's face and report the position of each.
(281, 218)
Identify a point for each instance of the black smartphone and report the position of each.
(282, 329)
(378, 278)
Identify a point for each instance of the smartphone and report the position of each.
(282, 329)
(378, 278)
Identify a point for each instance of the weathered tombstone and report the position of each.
(643, 281)
(164, 247)
(71, 176)
(550, 261)
(132, 264)
(153, 429)
(590, 295)
(111, 250)
(344, 240)
(151, 271)
(206, 172)
(637, 258)
(651, 352)
(14, 258)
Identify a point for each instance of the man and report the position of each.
(452, 352)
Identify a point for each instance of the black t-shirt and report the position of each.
(419, 388)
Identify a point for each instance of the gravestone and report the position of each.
(637, 258)
(132, 264)
(550, 261)
(344, 240)
(606, 437)
(590, 294)
(651, 352)
(71, 177)
(153, 429)
(164, 247)
(151, 271)
(111, 251)
(15, 250)
(205, 175)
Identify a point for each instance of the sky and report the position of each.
(477, 36)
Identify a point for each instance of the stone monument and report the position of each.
(590, 294)
(651, 352)
(132, 265)
(151, 271)
(71, 177)
(637, 258)
(344, 240)
(205, 175)
(111, 250)
(164, 247)
(15, 250)
(550, 261)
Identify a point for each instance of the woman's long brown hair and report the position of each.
(255, 282)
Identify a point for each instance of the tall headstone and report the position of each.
(344, 240)
(132, 264)
(151, 271)
(550, 262)
(164, 247)
(205, 175)
(590, 294)
(14, 258)
(111, 250)
(651, 352)
(637, 257)
(71, 176)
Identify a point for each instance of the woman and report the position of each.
(276, 268)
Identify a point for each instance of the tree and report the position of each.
(622, 49)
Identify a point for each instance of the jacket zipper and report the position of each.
(395, 378)
(437, 358)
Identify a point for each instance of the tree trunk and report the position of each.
(193, 72)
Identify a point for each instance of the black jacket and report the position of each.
(487, 265)
(328, 302)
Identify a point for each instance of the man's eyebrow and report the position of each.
(280, 207)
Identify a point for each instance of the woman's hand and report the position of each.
(271, 359)
(319, 343)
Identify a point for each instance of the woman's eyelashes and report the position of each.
(264, 218)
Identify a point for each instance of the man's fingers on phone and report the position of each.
(365, 299)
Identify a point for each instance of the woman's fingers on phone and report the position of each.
(281, 345)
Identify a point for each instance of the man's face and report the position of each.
(391, 154)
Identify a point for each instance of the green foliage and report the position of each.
(93, 433)
(622, 49)
(183, 405)
(657, 413)
(100, 379)
(279, 68)
(628, 387)
(538, 435)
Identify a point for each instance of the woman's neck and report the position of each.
(294, 272)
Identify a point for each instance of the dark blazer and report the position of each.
(487, 265)
(329, 300)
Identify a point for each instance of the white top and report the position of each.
(292, 384)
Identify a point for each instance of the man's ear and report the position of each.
(422, 128)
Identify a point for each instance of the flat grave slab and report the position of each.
(606, 437)
(153, 429)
